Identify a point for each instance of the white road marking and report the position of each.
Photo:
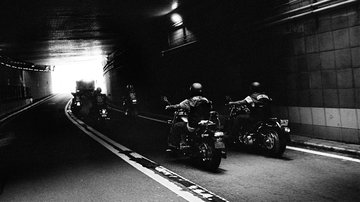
(324, 154)
(25, 108)
(114, 146)
(152, 119)
(141, 116)
(118, 110)
(292, 148)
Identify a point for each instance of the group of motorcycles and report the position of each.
(207, 144)
(90, 105)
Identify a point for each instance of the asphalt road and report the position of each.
(51, 159)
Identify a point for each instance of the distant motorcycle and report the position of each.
(103, 114)
(130, 106)
(270, 135)
(100, 108)
(206, 145)
(76, 103)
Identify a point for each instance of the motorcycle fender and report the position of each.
(184, 119)
(278, 129)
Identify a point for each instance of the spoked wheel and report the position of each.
(272, 143)
(210, 158)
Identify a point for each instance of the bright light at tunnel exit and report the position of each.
(67, 72)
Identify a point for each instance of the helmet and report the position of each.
(196, 89)
(98, 89)
(255, 87)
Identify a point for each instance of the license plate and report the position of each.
(219, 145)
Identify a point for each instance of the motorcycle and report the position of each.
(101, 112)
(270, 135)
(76, 103)
(130, 106)
(206, 142)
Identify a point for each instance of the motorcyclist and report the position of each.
(258, 108)
(130, 101)
(98, 99)
(198, 108)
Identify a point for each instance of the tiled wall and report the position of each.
(341, 124)
(323, 79)
(324, 67)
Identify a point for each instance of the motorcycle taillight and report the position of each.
(218, 134)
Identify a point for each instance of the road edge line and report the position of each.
(111, 145)
(12, 114)
(345, 158)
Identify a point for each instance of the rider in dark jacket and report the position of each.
(258, 104)
(130, 101)
(197, 107)
(98, 100)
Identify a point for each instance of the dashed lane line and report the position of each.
(174, 182)
(141, 116)
(152, 119)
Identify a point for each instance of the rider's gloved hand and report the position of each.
(168, 106)
(230, 103)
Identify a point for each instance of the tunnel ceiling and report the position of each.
(39, 30)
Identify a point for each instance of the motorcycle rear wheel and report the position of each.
(210, 158)
(272, 143)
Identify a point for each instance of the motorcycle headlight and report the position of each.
(218, 134)
(287, 129)
(78, 104)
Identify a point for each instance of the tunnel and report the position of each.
(305, 54)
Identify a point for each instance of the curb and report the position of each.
(326, 147)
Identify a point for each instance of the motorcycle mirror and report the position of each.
(228, 98)
(165, 99)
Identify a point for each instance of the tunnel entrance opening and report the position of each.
(68, 71)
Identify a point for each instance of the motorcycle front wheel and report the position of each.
(210, 158)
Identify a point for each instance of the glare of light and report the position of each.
(86, 66)
(174, 5)
(176, 19)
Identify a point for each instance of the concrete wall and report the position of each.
(114, 86)
(323, 75)
(39, 83)
(20, 87)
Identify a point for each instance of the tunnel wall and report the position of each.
(20, 87)
(321, 61)
(114, 86)
(38, 82)
(308, 66)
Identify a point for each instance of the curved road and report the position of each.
(52, 159)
